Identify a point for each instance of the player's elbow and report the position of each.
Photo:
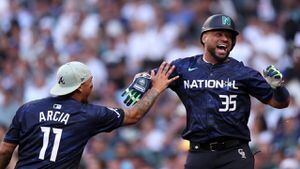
(284, 104)
(279, 105)
(132, 118)
(130, 121)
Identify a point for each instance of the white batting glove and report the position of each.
(273, 76)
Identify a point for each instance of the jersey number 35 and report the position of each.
(228, 103)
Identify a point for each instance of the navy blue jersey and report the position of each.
(217, 97)
(53, 132)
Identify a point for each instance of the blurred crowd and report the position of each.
(118, 38)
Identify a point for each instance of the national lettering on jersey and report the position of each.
(202, 83)
(217, 97)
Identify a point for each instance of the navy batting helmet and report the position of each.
(219, 22)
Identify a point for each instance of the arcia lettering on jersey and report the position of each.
(56, 116)
(199, 83)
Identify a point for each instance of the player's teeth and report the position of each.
(221, 46)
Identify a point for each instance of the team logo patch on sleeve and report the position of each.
(116, 111)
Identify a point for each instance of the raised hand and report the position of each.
(142, 82)
(160, 80)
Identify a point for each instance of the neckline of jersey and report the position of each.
(201, 60)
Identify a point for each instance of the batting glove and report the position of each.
(141, 83)
(273, 76)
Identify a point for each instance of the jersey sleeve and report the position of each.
(13, 133)
(107, 119)
(258, 87)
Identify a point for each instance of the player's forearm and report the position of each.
(134, 114)
(281, 98)
(6, 151)
(4, 159)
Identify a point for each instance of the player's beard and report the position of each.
(219, 59)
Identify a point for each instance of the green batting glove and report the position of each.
(135, 91)
(273, 76)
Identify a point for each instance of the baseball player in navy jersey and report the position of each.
(52, 132)
(215, 90)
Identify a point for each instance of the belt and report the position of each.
(216, 145)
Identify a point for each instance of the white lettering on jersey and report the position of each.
(191, 84)
(194, 84)
(58, 116)
(49, 115)
(62, 115)
(55, 116)
(42, 117)
(65, 118)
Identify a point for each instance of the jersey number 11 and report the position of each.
(46, 131)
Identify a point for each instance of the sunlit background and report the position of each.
(118, 38)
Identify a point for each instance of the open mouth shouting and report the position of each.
(222, 49)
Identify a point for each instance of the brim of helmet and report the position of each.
(231, 30)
